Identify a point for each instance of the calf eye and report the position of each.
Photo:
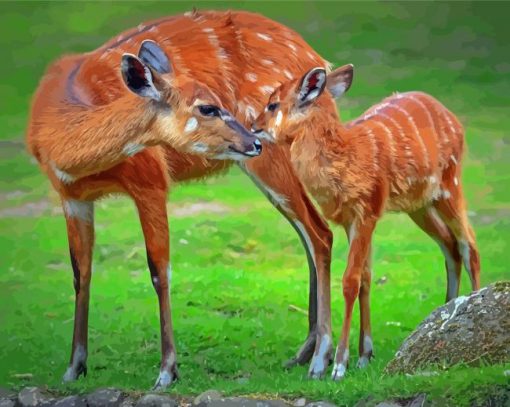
(208, 110)
(271, 107)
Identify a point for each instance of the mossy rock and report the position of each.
(469, 329)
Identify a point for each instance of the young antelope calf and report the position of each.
(404, 154)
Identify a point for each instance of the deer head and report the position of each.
(299, 101)
(187, 114)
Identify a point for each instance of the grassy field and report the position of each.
(238, 265)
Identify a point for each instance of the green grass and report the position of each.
(235, 274)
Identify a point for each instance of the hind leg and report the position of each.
(452, 210)
(430, 222)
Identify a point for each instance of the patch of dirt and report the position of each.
(28, 209)
(187, 210)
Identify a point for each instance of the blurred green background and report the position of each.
(238, 265)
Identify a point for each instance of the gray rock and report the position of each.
(33, 396)
(419, 401)
(388, 404)
(465, 330)
(71, 401)
(206, 397)
(7, 393)
(7, 403)
(244, 402)
(301, 402)
(320, 404)
(105, 397)
(156, 400)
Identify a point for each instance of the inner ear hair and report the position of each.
(138, 77)
(311, 86)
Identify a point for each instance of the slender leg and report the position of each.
(80, 231)
(452, 211)
(284, 190)
(151, 206)
(430, 222)
(360, 242)
(366, 347)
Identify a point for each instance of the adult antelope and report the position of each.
(404, 154)
(93, 137)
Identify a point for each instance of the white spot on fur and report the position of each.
(452, 157)
(446, 194)
(432, 179)
(191, 125)
(456, 181)
(292, 47)
(199, 148)
(265, 37)
(266, 90)
(310, 55)
(208, 30)
(130, 149)
(83, 210)
(267, 62)
(279, 118)
(62, 175)
(288, 74)
(252, 77)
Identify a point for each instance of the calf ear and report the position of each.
(311, 86)
(339, 81)
(138, 77)
(153, 55)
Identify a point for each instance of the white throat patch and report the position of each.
(191, 125)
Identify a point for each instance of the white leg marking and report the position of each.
(318, 366)
(83, 210)
(465, 253)
(368, 348)
(79, 357)
(340, 368)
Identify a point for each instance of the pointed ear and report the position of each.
(153, 55)
(138, 77)
(311, 86)
(339, 81)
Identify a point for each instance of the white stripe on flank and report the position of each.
(375, 150)
(292, 47)
(265, 37)
(417, 133)
(267, 62)
(391, 144)
(429, 116)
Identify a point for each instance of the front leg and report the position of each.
(152, 211)
(287, 194)
(360, 238)
(80, 232)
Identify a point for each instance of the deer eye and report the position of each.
(208, 110)
(271, 107)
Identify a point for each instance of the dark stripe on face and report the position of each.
(234, 124)
(76, 271)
